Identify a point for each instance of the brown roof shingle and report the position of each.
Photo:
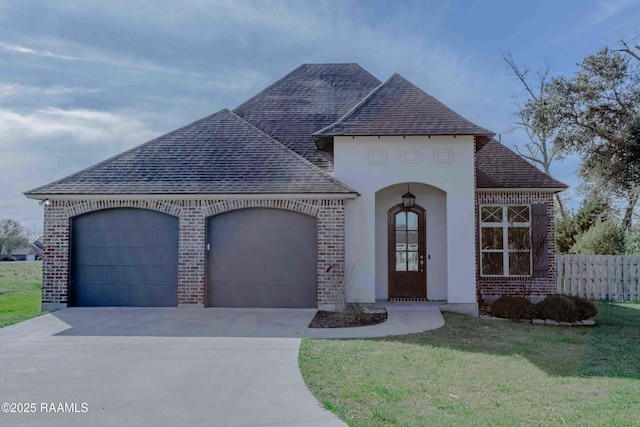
(307, 99)
(398, 107)
(499, 167)
(219, 154)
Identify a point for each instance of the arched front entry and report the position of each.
(407, 252)
(262, 257)
(124, 257)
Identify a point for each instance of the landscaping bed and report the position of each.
(353, 316)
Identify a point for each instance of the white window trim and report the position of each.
(505, 225)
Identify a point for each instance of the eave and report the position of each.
(168, 196)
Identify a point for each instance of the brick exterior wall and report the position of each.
(192, 216)
(491, 288)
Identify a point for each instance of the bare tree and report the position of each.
(540, 150)
(633, 51)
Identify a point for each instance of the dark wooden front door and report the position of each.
(407, 242)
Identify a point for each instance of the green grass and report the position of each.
(484, 373)
(20, 289)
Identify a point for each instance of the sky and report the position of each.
(81, 81)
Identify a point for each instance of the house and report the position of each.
(26, 253)
(328, 187)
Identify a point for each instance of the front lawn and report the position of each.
(475, 372)
(20, 289)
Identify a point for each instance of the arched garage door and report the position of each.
(262, 258)
(124, 257)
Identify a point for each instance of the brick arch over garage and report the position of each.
(307, 207)
(94, 205)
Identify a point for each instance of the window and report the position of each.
(505, 240)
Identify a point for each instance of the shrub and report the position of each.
(586, 309)
(603, 238)
(558, 308)
(512, 307)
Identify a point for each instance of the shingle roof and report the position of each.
(219, 154)
(499, 167)
(398, 107)
(309, 98)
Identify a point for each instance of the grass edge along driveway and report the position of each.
(20, 291)
(481, 372)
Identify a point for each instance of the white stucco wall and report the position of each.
(370, 164)
(434, 202)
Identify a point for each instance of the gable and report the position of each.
(398, 107)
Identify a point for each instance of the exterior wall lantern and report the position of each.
(408, 199)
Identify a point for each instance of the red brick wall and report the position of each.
(192, 215)
(493, 287)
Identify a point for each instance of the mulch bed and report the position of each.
(346, 319)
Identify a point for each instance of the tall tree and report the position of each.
(533, 118)
(592, 111)
(12, 236)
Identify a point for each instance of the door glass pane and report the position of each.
(401, 240)
(412, 240)
(401, 261)
(401, 221)
(412, 261)
(492, 238)
(412, 223)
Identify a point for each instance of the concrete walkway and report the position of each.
(166, 367)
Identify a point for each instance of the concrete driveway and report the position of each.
(157, 367)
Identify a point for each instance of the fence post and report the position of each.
(625, 278)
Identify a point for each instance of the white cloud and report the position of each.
(603, 11)
(25, 50)
(18, 90)
(82, 126)
(44, 145)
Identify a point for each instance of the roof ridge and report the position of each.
(295, 155)
(293, 71)
(137, 147)
(354, 108)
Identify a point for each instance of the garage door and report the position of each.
(124, 257)
(262, 258)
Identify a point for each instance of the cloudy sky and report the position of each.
(84, 80)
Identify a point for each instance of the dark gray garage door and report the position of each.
(124, 257)
(262, 258)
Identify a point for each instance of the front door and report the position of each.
(407, 242)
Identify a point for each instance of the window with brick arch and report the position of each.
(505, 240)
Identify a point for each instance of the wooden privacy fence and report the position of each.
(599, 277)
